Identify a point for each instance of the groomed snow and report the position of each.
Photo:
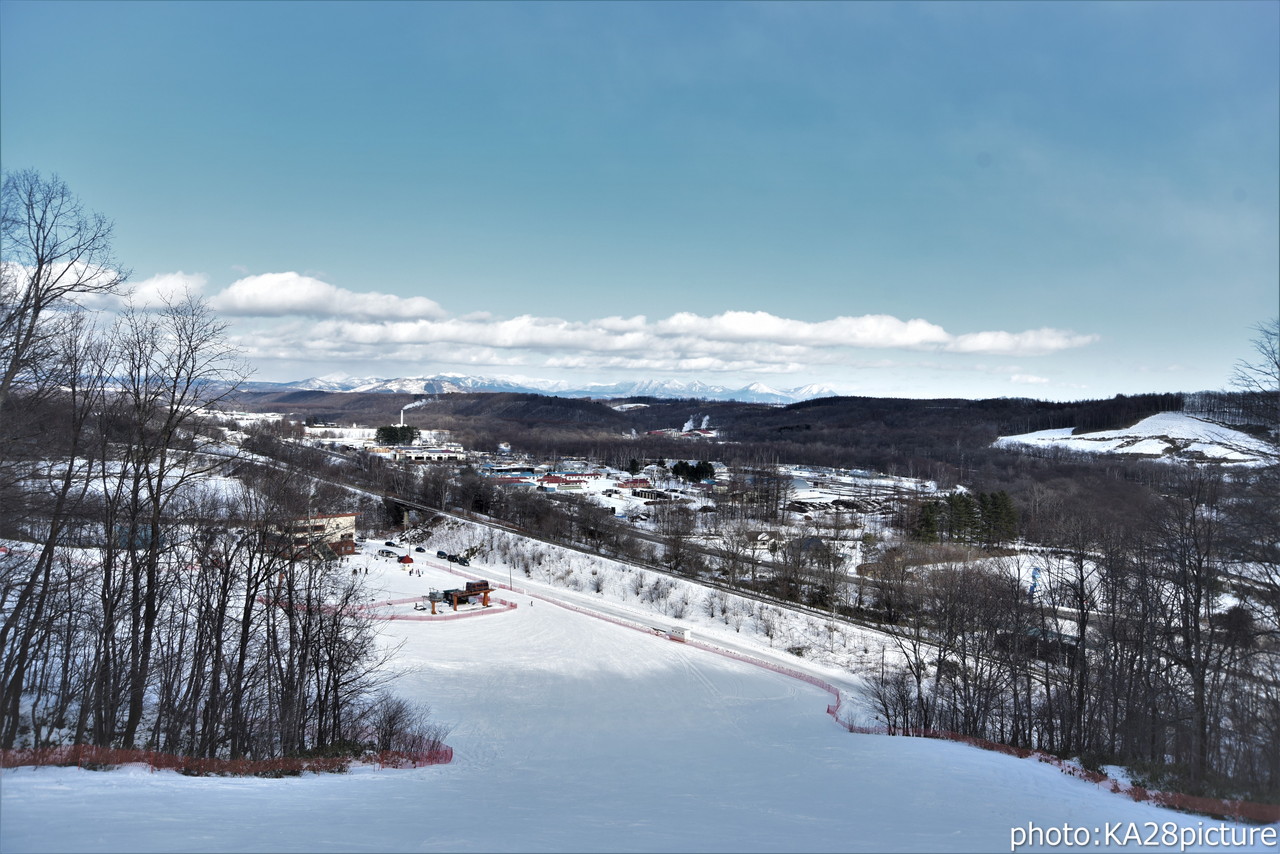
(577, 734)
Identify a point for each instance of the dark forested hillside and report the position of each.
(948, 440)
(850, 422)
(934, 438)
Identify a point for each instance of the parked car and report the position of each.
(386, 553)
(442, 554)
(391, 543)
(419, 549)
(462, 561)
(451, 558)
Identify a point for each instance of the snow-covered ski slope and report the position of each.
(573, 733)
(1166, 436)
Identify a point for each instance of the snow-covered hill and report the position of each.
(448, 383)
(577, 734)
(1166, 436)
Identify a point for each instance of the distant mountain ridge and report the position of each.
(456, 383)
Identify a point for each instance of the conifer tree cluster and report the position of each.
(393, 434)
(693, 472)
(983, 519)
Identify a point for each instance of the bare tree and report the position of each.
(44, 495)
(675, 523)
(397, 724)
(52, 253)
(1261, 374)
(734, 551)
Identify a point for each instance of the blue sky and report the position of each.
(1055, 200)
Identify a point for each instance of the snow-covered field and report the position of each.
(1168, 435)
(572, 733)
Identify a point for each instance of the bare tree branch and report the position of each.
(52, 253)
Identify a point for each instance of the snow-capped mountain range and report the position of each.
(451, 383)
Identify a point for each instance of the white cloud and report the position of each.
(1033, 343)
(305, 317)
(283, 294)
(166, 288)
(730, 332)
(873, 330)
